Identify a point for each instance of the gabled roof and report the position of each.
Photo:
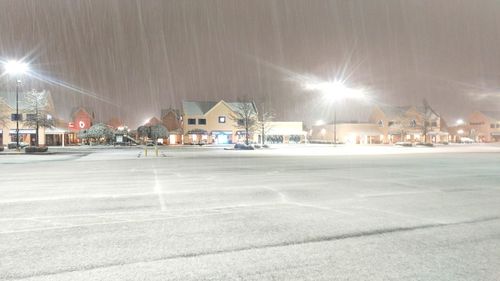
(197, 107)
(83, 109)
(203, 107)
(392, 112)
(164, 112)
(495, 115)
(153, 121)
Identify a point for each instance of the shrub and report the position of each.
(241, 146)
(36, 149)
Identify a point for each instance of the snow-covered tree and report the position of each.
(99, 132)
(143, 132)
(158, 131)
(37, 112)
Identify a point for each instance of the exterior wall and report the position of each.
(479, 127)
(82, 120)
(364, 133)
(171, 121)
(7, 126)
(391, 127)
(282, 132)
(213, 127)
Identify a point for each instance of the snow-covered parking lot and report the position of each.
(288, 213)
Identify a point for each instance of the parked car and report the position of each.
(466, 140)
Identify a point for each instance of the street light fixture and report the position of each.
(335, 92)
(16, 68)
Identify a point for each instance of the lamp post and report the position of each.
(16, 68)
(335, 91)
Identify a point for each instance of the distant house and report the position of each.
(483, 126)
(409, 123)
(82, 119)
(172, 119)
(212, 122)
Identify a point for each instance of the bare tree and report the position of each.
(4, 116)
(427, 122)
(265, 119)
(246, 117)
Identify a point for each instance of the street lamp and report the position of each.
(335, 91)
(16, 68)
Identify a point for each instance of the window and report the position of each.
(380, 123)
(222, 119)
(413, 123)
(191, 121)
(492, 126)
(31, 117)
(390, 123)
(498, 126)
(434, 124)
(241, 122)
(202, 121)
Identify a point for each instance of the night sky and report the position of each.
(129, 59)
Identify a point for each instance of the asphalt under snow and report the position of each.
(299, 213)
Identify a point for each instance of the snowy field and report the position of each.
(313, 212)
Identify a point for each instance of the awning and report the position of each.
(23, 131)
(197, 132)
(220, 132)
(437, 133)
(55, 131)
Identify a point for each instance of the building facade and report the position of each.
(42, 104)
(348, 133)
(409, 124)
(210, 122)
(483, 126)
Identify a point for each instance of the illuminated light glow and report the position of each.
(16, 67)
(460, 132)
(335, 90)
(460, 122)
(323, 131)
(320, 123)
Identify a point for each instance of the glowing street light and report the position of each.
(335, 91)
(16, 68)
(460, 122)
(320, 123)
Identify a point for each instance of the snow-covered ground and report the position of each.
(310, 212)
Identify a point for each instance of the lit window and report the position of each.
(222, 119)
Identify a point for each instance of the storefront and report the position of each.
(222, 137)
(27, 136)
(59, 137)
(197, 136)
